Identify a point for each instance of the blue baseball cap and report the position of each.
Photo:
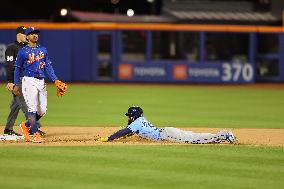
(31, 30)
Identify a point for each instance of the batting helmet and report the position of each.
(134, 112)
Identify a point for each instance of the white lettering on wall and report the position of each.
(151, 71)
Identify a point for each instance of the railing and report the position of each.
(147, 26)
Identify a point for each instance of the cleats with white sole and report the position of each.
(231, 138)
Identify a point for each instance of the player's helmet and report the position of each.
(134, 112)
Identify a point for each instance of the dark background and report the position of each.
(35, 10)
(13, 10)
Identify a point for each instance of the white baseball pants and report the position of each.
(35, 94)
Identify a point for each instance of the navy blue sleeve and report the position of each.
(17, 75)
(120, 133)
(48, 67)
(50, 72)
(18, 67)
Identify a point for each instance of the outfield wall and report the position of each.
(217, 72)
(75, 50)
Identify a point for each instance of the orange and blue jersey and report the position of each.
(33, 62)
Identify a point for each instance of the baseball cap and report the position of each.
(31, 30)
(21, 29)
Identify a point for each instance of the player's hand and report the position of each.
(16, 90)
(10, 86)
(103, 139)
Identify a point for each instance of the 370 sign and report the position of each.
(237, 72)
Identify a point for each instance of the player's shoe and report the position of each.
(222, 136)
(11, 132)
(25, 131)
(37, 138)
(40, 132)
(231, 138)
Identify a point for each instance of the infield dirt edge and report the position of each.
(73, 136)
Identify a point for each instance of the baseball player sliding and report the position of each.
(138, 124)
(32, 65)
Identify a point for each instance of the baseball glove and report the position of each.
(61, 88)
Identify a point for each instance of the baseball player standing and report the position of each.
(18, 101)
(138, 124)
(34, 63)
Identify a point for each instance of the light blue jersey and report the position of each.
(145, 129)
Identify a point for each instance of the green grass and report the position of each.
(146, 166)
(179, 106)
(142, 167)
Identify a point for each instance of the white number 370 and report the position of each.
(236, 71)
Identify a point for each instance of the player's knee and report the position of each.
(41, 113)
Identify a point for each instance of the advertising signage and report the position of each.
(187, 72)
(142, 72)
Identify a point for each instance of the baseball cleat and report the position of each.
(11, 132)
(25, 131)
(222, 136)
(40, 132)
(231, 138)
(37, 138)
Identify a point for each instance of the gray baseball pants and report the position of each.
(178, 135)
(18, 103)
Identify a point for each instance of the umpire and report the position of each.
(18, 101)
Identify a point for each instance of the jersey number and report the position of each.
(10, 58)
(147, 124)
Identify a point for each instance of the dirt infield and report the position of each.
(74, 136)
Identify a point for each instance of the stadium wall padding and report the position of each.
(73, 53)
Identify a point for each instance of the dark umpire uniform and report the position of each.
(18, 101)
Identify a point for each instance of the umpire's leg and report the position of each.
(22, 104)
(14, 111)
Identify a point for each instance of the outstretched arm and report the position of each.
(50, 72)
(61, 87)
(49, 69)
(118, 134)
